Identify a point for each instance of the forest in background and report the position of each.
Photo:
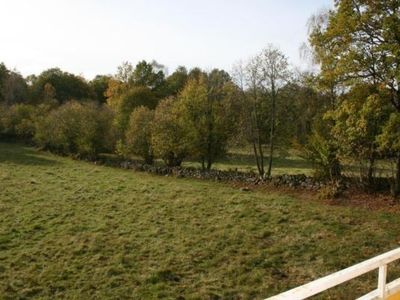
(347, 113)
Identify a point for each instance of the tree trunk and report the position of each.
(149, 159)
(370, 173)
(255, 129)
(261, 152)
(271, 153)
(396, 183)
(272, 132)
(172, 160)
(335, 170)
(209, 152)
(210, 134)
(209, 163)
(203, 166)
(257, 158)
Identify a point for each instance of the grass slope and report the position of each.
(74, 230)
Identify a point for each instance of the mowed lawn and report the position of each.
(74, 230)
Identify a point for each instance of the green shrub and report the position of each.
(322, 147)
(18, 121)
(389, 142)
(79, 129)
(138, 134)
(332, 190)
(123, 104)
(169, 134)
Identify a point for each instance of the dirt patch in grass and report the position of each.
(372, 201)
(352, 197)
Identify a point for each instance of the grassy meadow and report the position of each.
(243, 160)
(74, 230)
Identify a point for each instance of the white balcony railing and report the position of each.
(380, 262)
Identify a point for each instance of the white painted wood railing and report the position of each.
(380, 262)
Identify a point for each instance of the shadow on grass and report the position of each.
(22, 155)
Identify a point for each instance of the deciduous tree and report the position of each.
(169, 133)
(138, 134)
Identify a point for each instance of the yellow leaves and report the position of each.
(114, 90)
(389, 140)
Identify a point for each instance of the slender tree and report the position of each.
(276, 73)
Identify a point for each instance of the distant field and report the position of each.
(283, 163)
(74, 230)
(243, 160)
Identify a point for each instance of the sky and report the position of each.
(90, 37)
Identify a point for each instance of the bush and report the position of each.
(125, 103)
(18, 121)
(79, 129)
(138, 134)
(322, 152)
(169, 136)
(357, 122)
(389, 142)
(332, 190)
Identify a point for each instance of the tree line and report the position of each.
(347, 113)
(142, 111)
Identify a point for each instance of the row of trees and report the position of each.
(348, 113)
(141, 111)
(195, 120)
(189, 113)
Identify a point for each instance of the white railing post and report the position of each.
(382, 281)
(383, 291)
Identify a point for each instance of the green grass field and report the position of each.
(244, 161)
(74, 230)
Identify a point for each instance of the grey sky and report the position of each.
(91, 37)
